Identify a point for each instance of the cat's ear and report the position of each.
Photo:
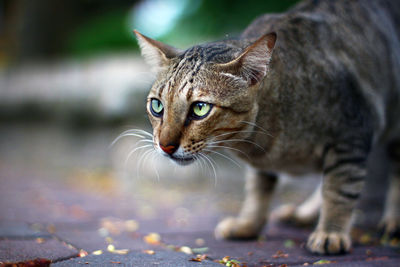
(252, 65)
(155, 53)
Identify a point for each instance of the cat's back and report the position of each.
(364, 34)
(353, 38)
(319, 12)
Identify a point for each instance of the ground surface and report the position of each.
(64, 200)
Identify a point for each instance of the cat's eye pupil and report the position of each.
(201, 110)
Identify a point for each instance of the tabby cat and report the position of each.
(312, 90)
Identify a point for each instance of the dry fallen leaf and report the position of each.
(82, 253)
(111, 248)
(97, 252)
(280, 254)
(121, 251)
(149, 251)
(225, 259)
(199, 258)
(322, 262)
(41, 262)
(186, 250)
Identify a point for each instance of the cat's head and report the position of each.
(204, 96)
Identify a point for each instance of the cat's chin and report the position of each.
(182, 161)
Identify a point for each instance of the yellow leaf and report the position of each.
(97, 252)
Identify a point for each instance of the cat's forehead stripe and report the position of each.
(182, 87)
(187, 68)
(189, 93)
(160, 90)
(217, 52)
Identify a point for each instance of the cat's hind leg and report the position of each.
(252, 217)
(305, 214)
(390, 222)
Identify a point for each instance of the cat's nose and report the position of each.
(170, 148)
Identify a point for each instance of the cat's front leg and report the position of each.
(344, 173)
(252, 217)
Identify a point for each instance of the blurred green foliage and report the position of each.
(219, 19)
(102, 33)
(109, 31)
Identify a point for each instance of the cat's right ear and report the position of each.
(155, 53)
(253, 64)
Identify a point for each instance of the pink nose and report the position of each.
(169, 149)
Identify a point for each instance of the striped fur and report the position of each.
(312, 90)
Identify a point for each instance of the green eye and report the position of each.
(156, 107)
(201, 109)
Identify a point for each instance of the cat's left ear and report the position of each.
(253, 64)
(155, 53)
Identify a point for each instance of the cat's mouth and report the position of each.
(182, 161)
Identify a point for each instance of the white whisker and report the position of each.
(244, 131)
(255, 125)
(200, 162)
(132, 132)
(238, 140)
(141, 160)
(227, 147)
(212, 166)
(155, 165)
(222, 155)
(121, 136)
(134, 150)
(140, 131)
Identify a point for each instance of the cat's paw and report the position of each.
(237, 228)
(390, 228)
(290, 213)
(323, 243)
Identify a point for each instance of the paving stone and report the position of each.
(160, 258)
(278, 249)
(24, 250)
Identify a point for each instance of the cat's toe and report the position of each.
(237, 228)
(323, 243)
